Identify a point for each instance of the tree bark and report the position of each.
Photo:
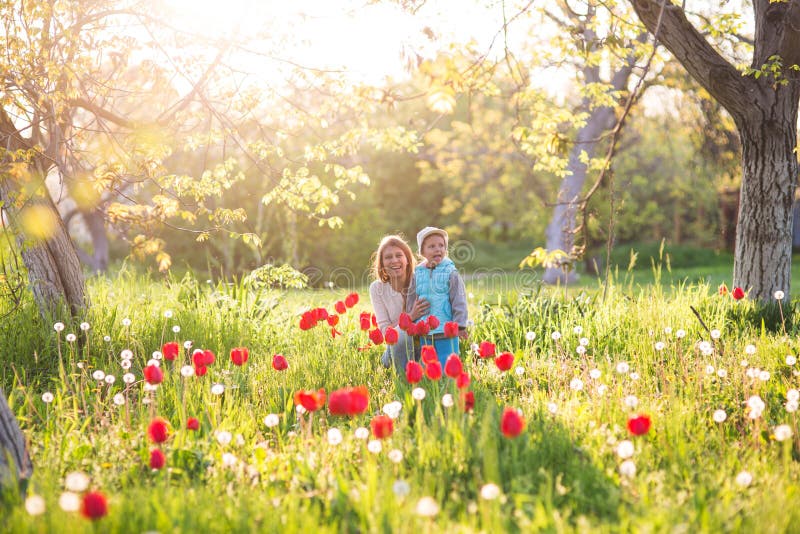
(15, 462)
(54, 270)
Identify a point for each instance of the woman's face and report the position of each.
(394, 262)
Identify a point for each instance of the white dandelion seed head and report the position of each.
(490, 491)
(552, 407)
(125, 364)
(223, 437)
(272, 420)
(393, 409)
(418, 394)
(791, 406)
(47, 397)
(34, 505)
(229, 460)
(668, 330)
(58, 327)
(300, 409)
(374, 446)
(752, 372)
(715, 334)
(602, 389)
(107, 339)
(750, 349)
(576, 384)
(764, 376)
(427, 507)
(578, 330)
(556, 335)
(110, 379)
(722, 373)
(168, 314)
(76, 481)
(710, 369)
(705, 346)
(71, 338)
(623, 368)
(782, 432)
(335, 436)
(791, 360)
(584, 341)
(744, 479)
(447, 400)
(744, 363)
(627, 469)
(659, 346)
(187, 371)
(634, 375)
(401, 488)
(680, 333)
(793, 395)
(119, 399)
(129, 378)
(756, 403)
(779, 295)
(361, 433)
(157, 355)
(69, 501)
(126, 322)
(476, 349)
(176, 329)
(530, 335)
(84, 326)
(719, 416)
(126, 354)
(580, 350)
(594, 374)
(153, 362)
(519, 370)
(630, 401)
(625, 449)
(146, 400)
(80, 365)
(98, 375)
(395, 456)
(187, 344)
(150, 387)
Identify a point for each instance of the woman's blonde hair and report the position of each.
(378, 270)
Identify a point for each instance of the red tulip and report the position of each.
(351, 300)
(364, 320)
(511, 423)
(468, 400)
(94, 505)
(413, 372)
(320, 314)
(198, 358)
(453, 367)
(310, 400)
(158, 430)
(170, 350)
(192, 424)
(405, 322)
(349, 401)
(375, 336)
(738, 293)
(340, 307)
(433, 370)
(421, 328)
(504, 361)
(463, 381)
(279, 362)
(639, 425)
(208, 357)
(486, 349)
(382, 426)
(200, 370)
(157, 459)
(153, 374)
(450, 329)
(333, 320)
(335, 333)
(390, 336)
(722, 289)
(307, 321)
(433, 322)
(428, 353)
(239, 355)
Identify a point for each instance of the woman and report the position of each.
(393, 269)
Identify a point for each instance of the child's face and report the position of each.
(433, 249)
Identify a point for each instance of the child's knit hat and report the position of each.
(430, 230)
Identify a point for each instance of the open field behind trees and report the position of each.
(574, 467)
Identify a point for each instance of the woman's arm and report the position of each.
(377, 293)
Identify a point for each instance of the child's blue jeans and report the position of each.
(444, 347)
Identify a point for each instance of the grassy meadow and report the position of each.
(718, 387)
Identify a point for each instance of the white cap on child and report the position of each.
(429, 230)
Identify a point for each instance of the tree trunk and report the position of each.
(96, 224)
(54, 270)
(15, 462)
(763, 255)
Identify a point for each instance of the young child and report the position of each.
(436, 280)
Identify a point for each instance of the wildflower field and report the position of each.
(190, 407)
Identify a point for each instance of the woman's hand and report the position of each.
(421, 307)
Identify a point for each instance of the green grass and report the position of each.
(561, 474)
